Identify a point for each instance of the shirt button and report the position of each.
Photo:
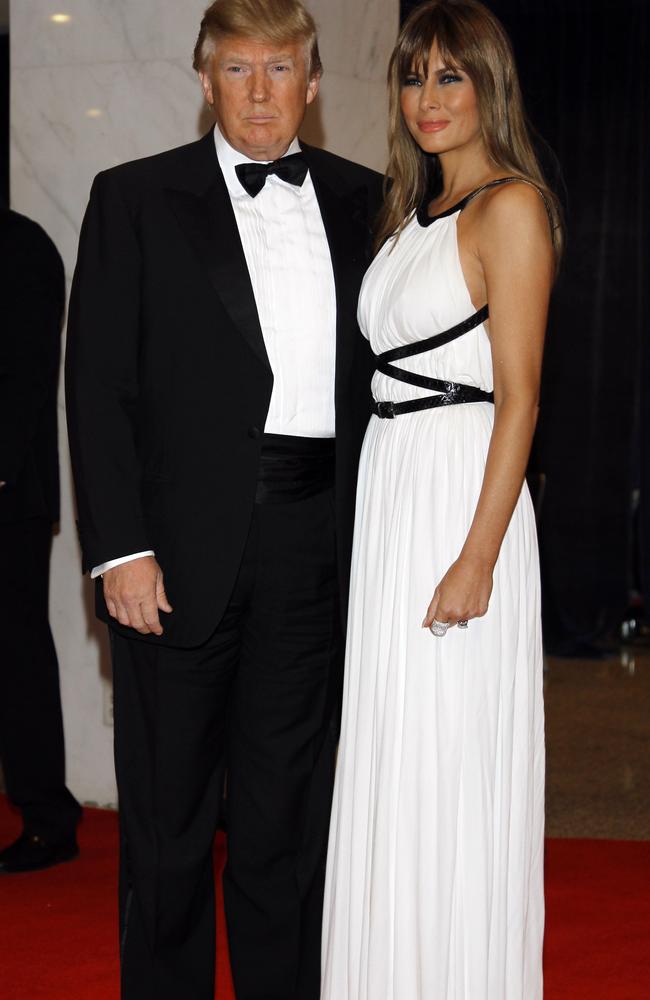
(254, 432)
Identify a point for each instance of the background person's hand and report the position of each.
(134, 593)
(463, 593)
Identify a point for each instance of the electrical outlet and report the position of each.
(107, 703)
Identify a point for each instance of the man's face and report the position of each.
(259, 92)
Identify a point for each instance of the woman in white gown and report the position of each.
(435, 870)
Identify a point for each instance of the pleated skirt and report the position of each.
(435, 869)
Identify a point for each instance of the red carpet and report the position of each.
(58, 930)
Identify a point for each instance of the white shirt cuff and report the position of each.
(98, 570)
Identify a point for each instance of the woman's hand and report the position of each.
(463, 593)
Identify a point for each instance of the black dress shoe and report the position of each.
(30, 853)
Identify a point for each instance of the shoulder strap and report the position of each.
(512, 180)
(490, 184)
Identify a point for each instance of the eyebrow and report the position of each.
(272, 59)
(436, 72)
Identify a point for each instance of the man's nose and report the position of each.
(259, 86)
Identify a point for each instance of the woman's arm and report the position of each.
(514, 247)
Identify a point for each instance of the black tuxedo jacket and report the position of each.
(33, 297)
(168, 380)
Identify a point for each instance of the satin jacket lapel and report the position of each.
(347, 236)
(208, 222)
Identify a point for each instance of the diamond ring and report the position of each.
(438, 628)
(463, 623)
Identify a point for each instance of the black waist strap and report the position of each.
(449, 393)
(439, 340)
(458, 393)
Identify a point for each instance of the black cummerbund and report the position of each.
(294, 468)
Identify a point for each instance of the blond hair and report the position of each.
(468, 37)
(276, 21)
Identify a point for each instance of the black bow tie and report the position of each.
(252, 176)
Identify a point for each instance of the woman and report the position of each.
(435, 870)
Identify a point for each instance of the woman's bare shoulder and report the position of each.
(518, 204)
(509, 219)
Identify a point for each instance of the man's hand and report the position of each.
(134, 593)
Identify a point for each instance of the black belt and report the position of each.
(454, 392)
(294, 468)
(449, 393)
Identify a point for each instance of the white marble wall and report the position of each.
(111, 83)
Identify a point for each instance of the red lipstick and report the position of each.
(434, 126)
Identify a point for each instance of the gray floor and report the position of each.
(598, 747)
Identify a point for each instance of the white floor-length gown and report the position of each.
(435, 870)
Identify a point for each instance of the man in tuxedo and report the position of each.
(218, 391)
(31, 728)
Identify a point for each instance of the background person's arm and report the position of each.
(34, 296)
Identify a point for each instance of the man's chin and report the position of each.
(258, 133)
(265, 141)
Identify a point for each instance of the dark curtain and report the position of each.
(4, 119)
(583, 68)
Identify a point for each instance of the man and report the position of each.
(218, 392)
(31, 728)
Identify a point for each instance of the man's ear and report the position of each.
(312, 88)
(206, 86)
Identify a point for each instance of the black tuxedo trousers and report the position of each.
(260, 699)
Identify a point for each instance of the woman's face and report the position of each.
(441, 109)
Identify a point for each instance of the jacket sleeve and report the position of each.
(102, 379)
(36, 291)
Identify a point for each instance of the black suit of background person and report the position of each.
(168, 389)
(31, 730)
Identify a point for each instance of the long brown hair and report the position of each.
(468, 37)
